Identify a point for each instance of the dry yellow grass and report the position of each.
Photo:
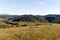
(40, 32)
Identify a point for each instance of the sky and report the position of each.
(35, 7)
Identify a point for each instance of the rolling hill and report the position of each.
(32, 18)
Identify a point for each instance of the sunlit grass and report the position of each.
(40, 32)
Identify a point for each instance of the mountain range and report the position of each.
(32, 18)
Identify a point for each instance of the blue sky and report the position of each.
(35, 7)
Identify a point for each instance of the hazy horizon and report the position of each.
(35, 7)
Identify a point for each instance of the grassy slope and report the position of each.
(41, 32)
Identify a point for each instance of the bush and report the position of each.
(5, 26)
(24, 25)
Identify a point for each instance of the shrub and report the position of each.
(5, 26)
(24, 25)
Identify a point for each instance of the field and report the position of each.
(37, 32)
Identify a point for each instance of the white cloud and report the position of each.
(3, 12)
(41, 3)
(54, 12)
(45, 12)
(13, 7)
(14, 10)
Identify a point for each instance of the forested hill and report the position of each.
(32, 18)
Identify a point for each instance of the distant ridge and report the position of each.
(32, 18)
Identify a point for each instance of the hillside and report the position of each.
(53, 18)
(32, 18)
(41, 32)
(31, 27)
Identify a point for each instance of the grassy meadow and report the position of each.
(34, 32)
